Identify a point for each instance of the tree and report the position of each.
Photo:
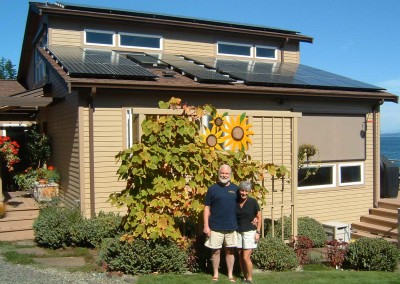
(7, 69)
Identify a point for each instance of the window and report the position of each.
(99, 37)
(234, 49)
(324, 177)
(350, 174)
(140, 41)
(265, 52)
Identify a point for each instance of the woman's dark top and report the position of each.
(246, 214)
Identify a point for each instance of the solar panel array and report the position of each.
(187, 68)
(99, 63)
(280, 74)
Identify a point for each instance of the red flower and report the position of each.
(50, 168)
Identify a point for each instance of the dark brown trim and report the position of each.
(91, 155)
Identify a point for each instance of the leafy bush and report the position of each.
(273, 254)
(307, 226)
(302, 247)
(143, 256)
(91, 232)
(316, 257)
(336, 252)
(53, 225)
(373, 254)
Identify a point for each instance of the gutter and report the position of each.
(376, 154)
(91, 153)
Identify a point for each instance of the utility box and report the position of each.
(337, 231)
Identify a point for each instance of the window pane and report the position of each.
(265, 52)
(99, 38)
(350, 174)
(324, 176)
(140, 41)
(234, 49)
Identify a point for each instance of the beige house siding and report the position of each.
(108, 141)
(338, 203)
(62, 33)
(62, 126)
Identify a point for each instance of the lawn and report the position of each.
(315, 277)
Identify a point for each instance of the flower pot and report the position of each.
(42, 181)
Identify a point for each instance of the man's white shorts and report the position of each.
(246, 240)
(217, 238)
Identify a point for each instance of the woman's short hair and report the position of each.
(245, 185)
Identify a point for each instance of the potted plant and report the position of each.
(26, 180)
(47, 175)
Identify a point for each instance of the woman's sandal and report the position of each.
(214, 279)
(232, 279)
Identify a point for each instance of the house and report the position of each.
(106, 70)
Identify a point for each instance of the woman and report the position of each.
(247, 209)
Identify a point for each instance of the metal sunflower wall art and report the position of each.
(227, 133)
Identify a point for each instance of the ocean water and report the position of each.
(390, 147)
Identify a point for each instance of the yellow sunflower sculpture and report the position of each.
(212, 138)
(237, 133)
(218, 119)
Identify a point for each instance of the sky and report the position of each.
(358, 39)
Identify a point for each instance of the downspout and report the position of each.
(376, 153)
(91, 152)
(282, 47)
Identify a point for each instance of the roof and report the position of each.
(118, 14)
(17, 103)
(180, 82)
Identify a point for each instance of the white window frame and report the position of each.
(237, 44)
(99, 31)
(333, 184)
(361, 164)
(266, 47)
(140, 35)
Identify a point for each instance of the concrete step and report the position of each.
(362, 234)
(380, 221)
(375, 229)
(389, 204)
(384, 212)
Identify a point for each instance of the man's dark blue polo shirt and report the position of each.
(222, 202)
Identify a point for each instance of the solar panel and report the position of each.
(80, 62)
(145, 60)
(189, 68)
(278, 73)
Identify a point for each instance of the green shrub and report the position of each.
(53, 225)
(273, 254)
(91, 232)
(373, 254)
(316, 257)
(307, 226)
(143, 256)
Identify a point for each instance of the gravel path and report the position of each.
(21, 274)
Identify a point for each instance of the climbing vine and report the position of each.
(168, 172)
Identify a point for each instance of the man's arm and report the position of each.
(206, 216)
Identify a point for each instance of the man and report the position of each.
(220, 220)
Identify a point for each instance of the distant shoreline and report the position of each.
(396, 134)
